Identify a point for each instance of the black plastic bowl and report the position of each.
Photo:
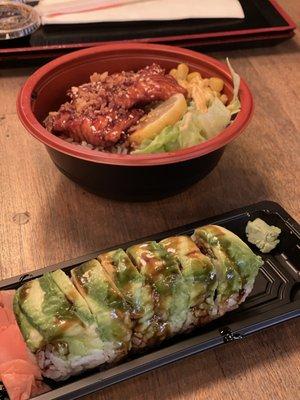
(135, 183)
(118, 176)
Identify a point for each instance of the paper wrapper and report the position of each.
(76, 12)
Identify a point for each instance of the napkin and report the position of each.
(76, 12)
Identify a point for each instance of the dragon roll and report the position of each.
(129, 300)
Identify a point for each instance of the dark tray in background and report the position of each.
(274, 299)
(265, 22)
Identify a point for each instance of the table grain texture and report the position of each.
(45, 219)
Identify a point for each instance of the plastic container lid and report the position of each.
(17, 20)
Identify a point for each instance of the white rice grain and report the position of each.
(116, 149)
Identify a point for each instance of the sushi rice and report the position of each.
(120, 148)
(56, 368)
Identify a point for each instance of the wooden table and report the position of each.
(45, 219)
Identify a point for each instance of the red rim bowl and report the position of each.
(150, 52)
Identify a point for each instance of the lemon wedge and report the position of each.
(167, 113)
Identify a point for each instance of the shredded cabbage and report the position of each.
(164, 142)
(214, 120)
(235, 105)
(190, 129)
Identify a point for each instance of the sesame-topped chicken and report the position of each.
(101, 111)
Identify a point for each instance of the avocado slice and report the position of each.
(170, 292)
(32, 336)
(136, 292)
(126, 277)
(230, 285)
(105, 302)
(199, 274)
(46, 308)
(247, 263)
(80, 306)
(54, 317)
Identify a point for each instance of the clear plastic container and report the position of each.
(17, 20)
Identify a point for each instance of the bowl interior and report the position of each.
(50, 91)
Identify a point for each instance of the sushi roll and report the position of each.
(137, 294)
(236, 265)
(58, 327)
(107, 305)
(169, 290)
(128, 300)
(200, 277)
